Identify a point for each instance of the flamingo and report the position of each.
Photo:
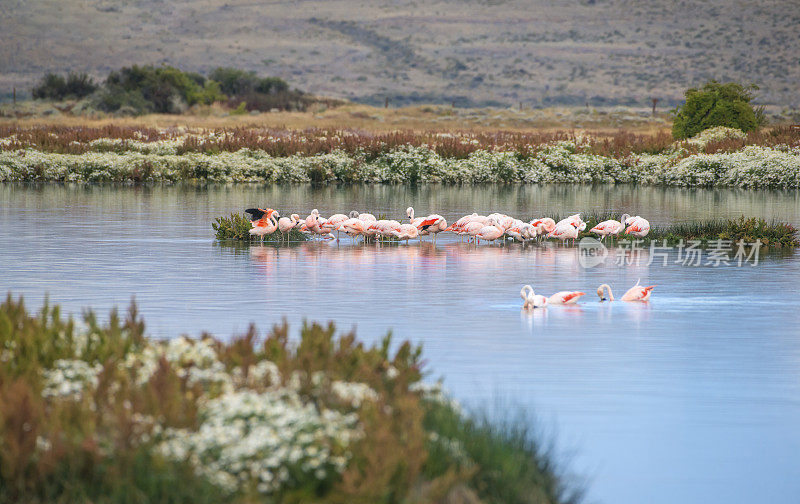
(353, 227)
(405, 232)
(565, 297)
(312, 220)
(266, 225)
(544, 225)
(565, 231)
(473, 228)
(411, 219)
(610, 227)
(432, 224)
(635, 293)
(491, 232)
(573, 219)
(637, 226)
(530, 299)
(333, 222)
(257, 214)
(286, 224)
(367, 217)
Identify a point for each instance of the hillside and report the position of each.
(467, 52)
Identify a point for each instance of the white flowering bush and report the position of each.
(264, 441)
(557, 162)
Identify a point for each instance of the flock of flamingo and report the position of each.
(472, 227)
(531, 300)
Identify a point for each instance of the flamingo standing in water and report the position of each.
(411, 220)
(635, 293)
(353, 227)
(491, 232)
(565, 231)
(637, 226)
(265, 225)
(332, 223)
(530, 299)
(610, 227)
(543, 226)
(286, 224)
(405, 232)
(432, 224)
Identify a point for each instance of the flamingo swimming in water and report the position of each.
(530, 299)
(565, 297)
(635, 293)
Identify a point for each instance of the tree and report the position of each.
(717, 104)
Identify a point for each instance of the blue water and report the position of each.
(693, 397)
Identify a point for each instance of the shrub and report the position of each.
(56, 87)
(165, 90)
(236, 82)
(717, 104)
(93, 412)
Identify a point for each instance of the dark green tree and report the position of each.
(717, 104)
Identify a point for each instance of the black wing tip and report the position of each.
(255, 212)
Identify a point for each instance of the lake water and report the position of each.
(691, 398)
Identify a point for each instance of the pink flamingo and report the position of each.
(635, 293)
(432, 224)
(565, 297)
(411, 219)
(332, 223)
(265, 225)
(286, 224)
(491, 232)
(610, 227)
(530, 299)
(638, 226)
(473, 228)
(353, 227)
(565, 231)
(405, 232)
(543, 226)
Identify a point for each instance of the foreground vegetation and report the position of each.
(716, 157)
(93, 412)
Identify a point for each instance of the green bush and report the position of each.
(55, 87)
(717, 104)
(235, 82)
(165, 90)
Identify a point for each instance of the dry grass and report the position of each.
(359, 117)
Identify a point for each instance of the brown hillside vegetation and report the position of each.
(467, 52)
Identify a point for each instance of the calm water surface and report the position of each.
(691, 398)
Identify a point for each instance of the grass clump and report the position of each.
(237, 227)
(772, 234)
(94, 412)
